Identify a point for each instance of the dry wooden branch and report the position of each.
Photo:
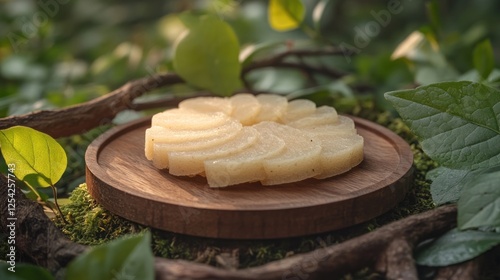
(38, 238)
(278, 61)
(85, 116)
(396, 262)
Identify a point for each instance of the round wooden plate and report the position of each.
(123, 181)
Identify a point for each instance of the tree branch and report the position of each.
(278, 61)
(328, 262)
(396, 262)
(85, 116)
(297, 65)
(303, 53)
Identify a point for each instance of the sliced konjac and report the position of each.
(343, 126)
(298, 109)
(322, 115)
(272, 107)
(208, 105)
(298, 161)
(245, 166)
(248, 138)
(186, 119)
(159, 141)
(189, 163)
(340, 153)
(245, 108)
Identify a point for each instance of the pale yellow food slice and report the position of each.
(208, 105)
(322, 115)
(163, 135)
(273, 107)
(297, 109)
(189, 163)
(159, 139)
(339, 154)
(245, 166)
(186, 119)
(344, 126)
(160, 150)
(245, 108)
(299, 160)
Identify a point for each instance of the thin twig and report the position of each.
(54, 192)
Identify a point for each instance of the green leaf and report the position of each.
(285, 15)
(38, 159)
(207, 56)
(456, 247)
(457, 122)
(124, 258)
(447, 184)
(479, 204)
(483, 58)
(23, 271)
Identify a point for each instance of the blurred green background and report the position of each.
(56, 53)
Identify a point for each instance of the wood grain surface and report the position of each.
(123, 181)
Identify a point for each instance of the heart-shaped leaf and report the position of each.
(479, 203)
(206, 56)
(457, 122)
(456, 247)
(37, 158)
(124, 258)
(285, 14)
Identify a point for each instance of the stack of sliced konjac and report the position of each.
(247, 138)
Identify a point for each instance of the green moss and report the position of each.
(88, 223)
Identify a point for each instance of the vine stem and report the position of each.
(54, 191)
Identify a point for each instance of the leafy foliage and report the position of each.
(455, 247)
(129, 257)
(207, 56)
(479, 202)
(458, 125)
(24, 271)
(285, 15)
(443, 114)
(39, 159)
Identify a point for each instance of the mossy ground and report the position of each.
(90, 224)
